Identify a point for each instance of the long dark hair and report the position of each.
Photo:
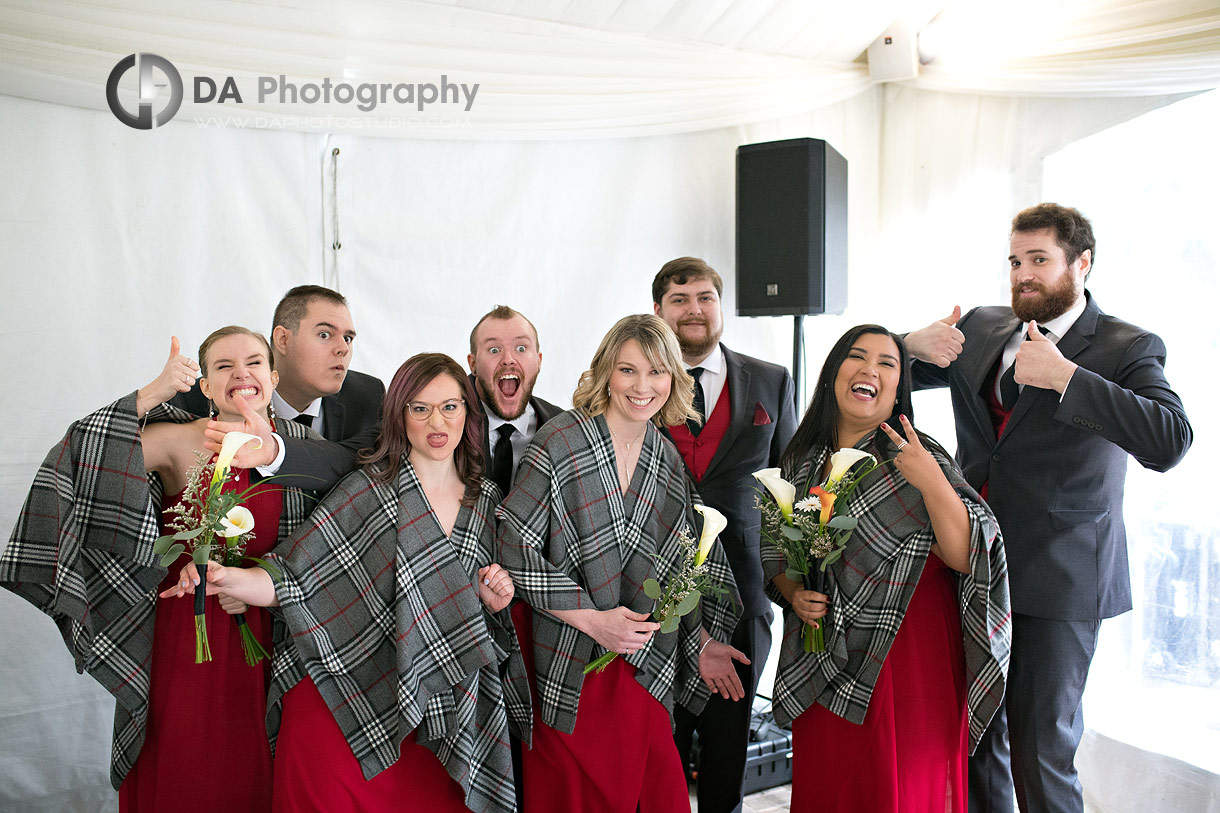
(819, 429)
(382, 461)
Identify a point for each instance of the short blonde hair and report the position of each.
(660, 347)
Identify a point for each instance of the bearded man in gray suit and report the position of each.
(1050, 396)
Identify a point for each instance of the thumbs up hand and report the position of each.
(178, 375)
(940, 342)
(1040, 364)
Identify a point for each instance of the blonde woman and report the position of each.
(599, 502)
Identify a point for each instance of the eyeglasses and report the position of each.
(453, 408)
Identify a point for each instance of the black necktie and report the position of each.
(502, 458)
(696, 426)
(1009, 390)
(304, 420)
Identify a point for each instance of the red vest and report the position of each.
(999, 415)
(698, 452)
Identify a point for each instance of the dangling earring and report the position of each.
(211, 409)
(271, 410)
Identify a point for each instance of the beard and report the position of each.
(698, 348)
(488, 393)
(1051, 302)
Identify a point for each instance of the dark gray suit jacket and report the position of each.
(350, 420)
(763, 419)
(1056, 476)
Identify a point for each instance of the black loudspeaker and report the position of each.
(791, 228)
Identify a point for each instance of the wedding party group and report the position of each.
(308, 591)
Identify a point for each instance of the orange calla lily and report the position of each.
(828, 502)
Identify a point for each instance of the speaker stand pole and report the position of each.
(798, 345)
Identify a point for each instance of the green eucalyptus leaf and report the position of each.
(652, 589)
(171, 554)
(843, 523)
(201, 554)
(796, 575)
(163, 544)
(669, 624)
(689, 603)
(792, 533)
(182, 536)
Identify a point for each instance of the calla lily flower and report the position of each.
(827, 500)
(238, 521)
(783, 491)
(713, 523)
(842, 461)
(228, 449)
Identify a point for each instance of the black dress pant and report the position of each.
(724, 725)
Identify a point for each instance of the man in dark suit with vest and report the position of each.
(312, 337)
(1050, 396)
(505, 358)
(750, 416)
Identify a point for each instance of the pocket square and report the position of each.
(761, 418)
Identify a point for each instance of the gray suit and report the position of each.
(1055, 481)
(762, 420)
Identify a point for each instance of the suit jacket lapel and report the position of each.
(738, 379)
(979, 376)
(333, 413)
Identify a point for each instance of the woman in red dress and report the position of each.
(202, 714)
(915, 612)
(390, 694)
(598, 504)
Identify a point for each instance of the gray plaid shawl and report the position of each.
(573, 540)
(82, 553)
(385, 614)
(872, 584)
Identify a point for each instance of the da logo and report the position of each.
(149, 91)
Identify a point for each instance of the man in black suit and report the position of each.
(312, 337)
(750, 415)
(505, 358)
(1050, 396)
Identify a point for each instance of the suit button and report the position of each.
(995, 458)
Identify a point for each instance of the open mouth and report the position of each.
(508, 384)
(639, 402)
(866, 391)
(243, 392)
(437, 440)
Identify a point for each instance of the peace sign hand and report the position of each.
(914, 461)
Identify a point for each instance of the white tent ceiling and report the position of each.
(561, 69)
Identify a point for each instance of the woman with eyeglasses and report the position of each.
(393, 692)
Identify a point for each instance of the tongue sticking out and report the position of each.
(508, 386)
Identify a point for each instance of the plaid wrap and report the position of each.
(386, 618)
(81, 552)
(573, 540)
(871, 585)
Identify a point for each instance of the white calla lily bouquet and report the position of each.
(814, 530)
(688, 583)
(213, 525)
